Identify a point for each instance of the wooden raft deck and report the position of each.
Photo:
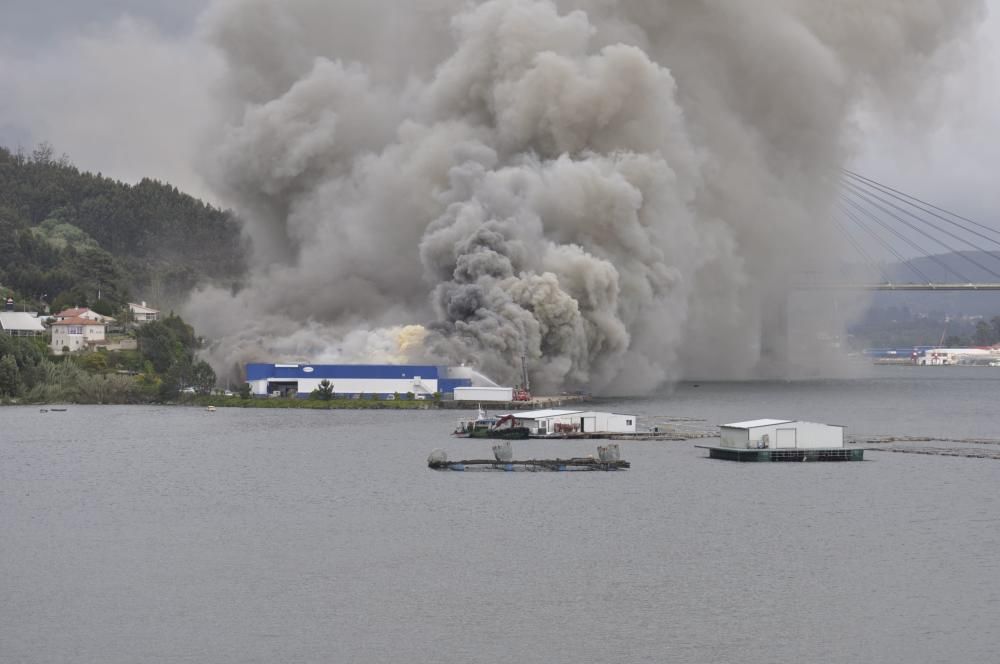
(531, 465)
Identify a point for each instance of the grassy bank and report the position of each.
(312, 404)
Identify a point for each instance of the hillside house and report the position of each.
(83, 312)
(140, 313)
(76, 334)
(20, 324)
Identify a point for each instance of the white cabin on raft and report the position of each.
(781, 435)
(554, 422)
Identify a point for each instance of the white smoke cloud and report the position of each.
(620, 191)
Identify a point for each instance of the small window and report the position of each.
(628, 423)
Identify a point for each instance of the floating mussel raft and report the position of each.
(608, 458)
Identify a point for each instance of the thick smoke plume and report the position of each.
(621, 190)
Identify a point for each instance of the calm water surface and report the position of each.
(141, 534)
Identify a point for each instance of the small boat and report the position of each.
(491, 427)
(43, 410)
(211, 409)
(58, 410)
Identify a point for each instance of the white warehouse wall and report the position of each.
(484, 394)
(734, 437)
(808, 435)
(355, 385)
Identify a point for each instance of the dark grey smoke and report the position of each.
(621, 191)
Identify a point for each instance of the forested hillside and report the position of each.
(69, 235)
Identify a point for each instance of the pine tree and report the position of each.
(10, 377)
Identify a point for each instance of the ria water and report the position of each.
(173, 534)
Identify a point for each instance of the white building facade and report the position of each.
(950, 356)
(140, 313)
(484, 394)
(76, 334)
(555, 422)
(781, 434)
(351, 380)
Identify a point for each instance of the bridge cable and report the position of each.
(904, 196)
(875, 192)
(861, 250)
(888, 247)
(961, 255)
(860, 193)
(920, 250)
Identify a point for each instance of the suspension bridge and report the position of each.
(901, 243)
(933, 249)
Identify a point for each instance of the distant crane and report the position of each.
(523, 393)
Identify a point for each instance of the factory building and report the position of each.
(355, 380)
(951, 356)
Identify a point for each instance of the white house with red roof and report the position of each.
(77, 333)
(82, 312)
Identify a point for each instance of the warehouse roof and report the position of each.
(753, 424)
(20, 321)
(540, 414)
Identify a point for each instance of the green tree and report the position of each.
(10, 377)
(159, 344)
(176, 378)
(244, 391)
(983, 335)
(995, 324)
(62, 229)
(94, 362)
(27, 355)
(202, 377)
(322, 393)
(103, 307)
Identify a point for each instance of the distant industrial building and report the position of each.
(951, 356)
(355, 380)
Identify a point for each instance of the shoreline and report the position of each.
(203, 401)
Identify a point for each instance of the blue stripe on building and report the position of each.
(345, 371)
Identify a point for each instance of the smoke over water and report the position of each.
(621, 191)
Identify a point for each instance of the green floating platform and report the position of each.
(769, 455)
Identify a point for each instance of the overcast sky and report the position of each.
(48, 51)
(34, 25)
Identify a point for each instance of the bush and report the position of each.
(322, 393)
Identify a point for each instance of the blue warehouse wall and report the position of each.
(341, 371)
(448, 385)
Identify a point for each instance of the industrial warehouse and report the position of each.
(355, 380)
